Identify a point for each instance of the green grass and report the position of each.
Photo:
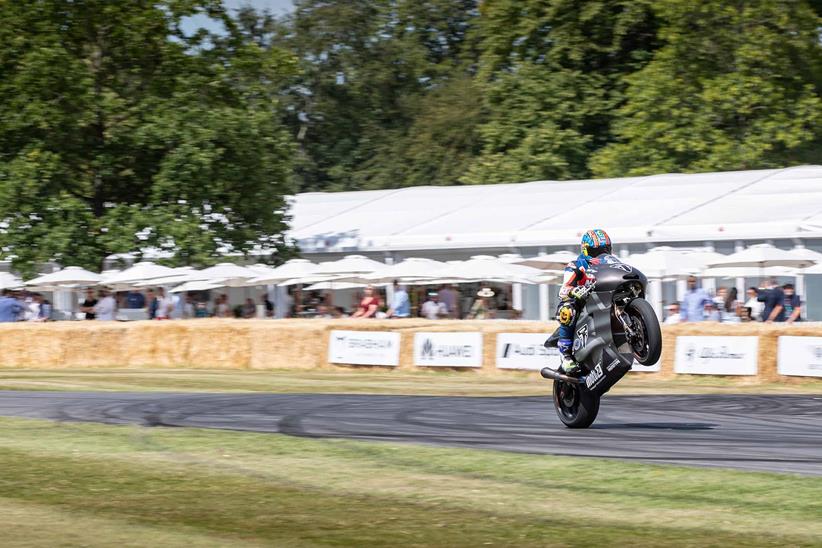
(375, 381)
(81, 484)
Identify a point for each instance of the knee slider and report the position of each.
(566, 314)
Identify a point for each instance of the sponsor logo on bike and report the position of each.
(613, 365)
(623, 267)
(594, 376)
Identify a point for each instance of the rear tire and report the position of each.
(576, 407)
(647, 346)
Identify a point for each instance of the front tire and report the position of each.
(576, 407)
(647, 340)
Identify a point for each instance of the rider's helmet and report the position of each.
(595, 243)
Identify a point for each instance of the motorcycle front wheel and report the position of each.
(576, 407)
(647, 340)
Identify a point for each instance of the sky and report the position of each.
(277, 7)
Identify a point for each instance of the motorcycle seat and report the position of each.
(553, 340)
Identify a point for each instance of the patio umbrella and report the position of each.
(761, 256)
(295, 268)
(197, 285)
(349, 265)
(413, 268)
(332, 285)
(227, 274)
(551, 261)
(749, 272)
(139, 272)
(68, 278)
(817, 269)
(667, 262)
(9, 281)
(491, 269)
(180, 275)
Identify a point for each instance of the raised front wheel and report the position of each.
(646, 339)
(576, 407)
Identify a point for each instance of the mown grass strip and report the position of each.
(270, 489)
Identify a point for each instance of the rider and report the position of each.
(576, 285)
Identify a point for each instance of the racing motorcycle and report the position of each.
(616, 327)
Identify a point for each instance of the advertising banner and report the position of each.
(716, 355)
(800, 356)
(448, 349)
(525, 351)
(364, 347)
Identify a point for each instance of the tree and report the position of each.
(552, 76)
(368, 68)
(118, 131)
(735, 86)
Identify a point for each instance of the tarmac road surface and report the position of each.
(751, 432)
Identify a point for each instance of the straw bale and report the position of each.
(158, 344)
(31, 346)
(220, 343)
(94, 344)
(289, 346)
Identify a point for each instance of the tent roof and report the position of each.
(773, 203)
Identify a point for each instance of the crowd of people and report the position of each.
(768, 303)
(104, 305)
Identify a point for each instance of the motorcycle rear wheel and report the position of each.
(576, 407)
(647, 344)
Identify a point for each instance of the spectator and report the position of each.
(481, 309)
(269, 306)
(711, 313)
(164, 305)
(45, 308)
(731, 300)
(323, 312)
(774, 298)
(792, 304)
(10, 308)
(753, 305)
(450, 298)
(400, 304)
(744, 313)
(32, 310)
(433, 309)
(725, 302)
(369, 305)
(201, 309)
(693, 303)
(135, 300)
(106, 307)
(188, 307)
(151, 303)
(249, 309)
(674, 316)
(221, 308)
(87, 306)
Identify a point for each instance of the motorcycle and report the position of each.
(615, 327)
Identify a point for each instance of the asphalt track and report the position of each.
(768, 433)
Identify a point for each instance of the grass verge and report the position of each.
(372, 381)
(101, 485)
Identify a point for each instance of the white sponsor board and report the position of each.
(364, 347)
(800, 356)
(448, 349)
(716, 355)
(525, 351)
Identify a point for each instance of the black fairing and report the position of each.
(599, 344)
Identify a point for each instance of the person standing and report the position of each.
(10, 308)
(774, 298)
(754, 305)
(106, 307)
(135, 300)
(693, 303)
(449, 297)
(433, 309)
(792, 304)
(88, 304)
(400, 304)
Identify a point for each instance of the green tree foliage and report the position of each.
(118, 132)
(735, 86)
(372, 74)
(552, 74)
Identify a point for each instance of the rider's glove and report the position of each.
(580, 292)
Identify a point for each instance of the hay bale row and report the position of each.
(302, 344)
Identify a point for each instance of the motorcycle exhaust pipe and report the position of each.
(548, 373)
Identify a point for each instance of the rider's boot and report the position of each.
(569, 365)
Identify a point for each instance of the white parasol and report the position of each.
(295, 268)
(68, 278)
(551, 261)
(139, 272)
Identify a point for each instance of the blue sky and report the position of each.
(277, 7)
